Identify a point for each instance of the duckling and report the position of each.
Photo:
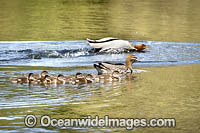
(140, 47)
(38, 76)
(41, 77)
(70, 79)
(96, 78)
(116, 76)
(21, 80)
(32, 79)
(60, 79)
(43, 74)
(108, 77)
(89, 78)
(80, 79)
(107, 67)
(46, 80)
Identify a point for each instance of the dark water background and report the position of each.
(155, 20)
(38, 35)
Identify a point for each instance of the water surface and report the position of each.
(157, 20)
(50, 35)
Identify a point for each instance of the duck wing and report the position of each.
(108, 67)
(101, 69)
(110, 43)
(101, 43)
(103, 40)
(111, 66)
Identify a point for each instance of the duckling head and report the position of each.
(31, 77)
(61, 78)
(89, 78)
(79, 75)
(116, 75)
(44, 73)
(47, 79)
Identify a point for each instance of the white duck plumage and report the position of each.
(110, 43)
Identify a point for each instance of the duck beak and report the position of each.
(145, 46)
(134, 59)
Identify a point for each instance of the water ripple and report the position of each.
(77, 53)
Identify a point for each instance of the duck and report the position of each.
(46, 80)
(110, 43)
(89, 78)
(43, 78)
(108, 77)
(114, 43)
(60, 79)
(80, 78)
(21, 80)
(38, 76)
(107, 67)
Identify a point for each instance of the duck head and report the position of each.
(130, 60)
(116, 75)
(30, 77)
(140, 47)
(79, 75)
(47, 79)
(89, 78)
(43, 74)
(61, 78)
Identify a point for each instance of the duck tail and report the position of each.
(98, 68)
(90, 41)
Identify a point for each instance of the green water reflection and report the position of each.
(171, 20)
(163, 92)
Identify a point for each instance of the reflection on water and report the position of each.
(161, 92)
(172, 20)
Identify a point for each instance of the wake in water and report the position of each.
(78, 53)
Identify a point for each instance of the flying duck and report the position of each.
(107, 67)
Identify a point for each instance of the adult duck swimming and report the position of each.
(114, 43)
(108, 67)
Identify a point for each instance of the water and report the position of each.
(79, 53)
(69, 57)
(157, 20)
(50, 35)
